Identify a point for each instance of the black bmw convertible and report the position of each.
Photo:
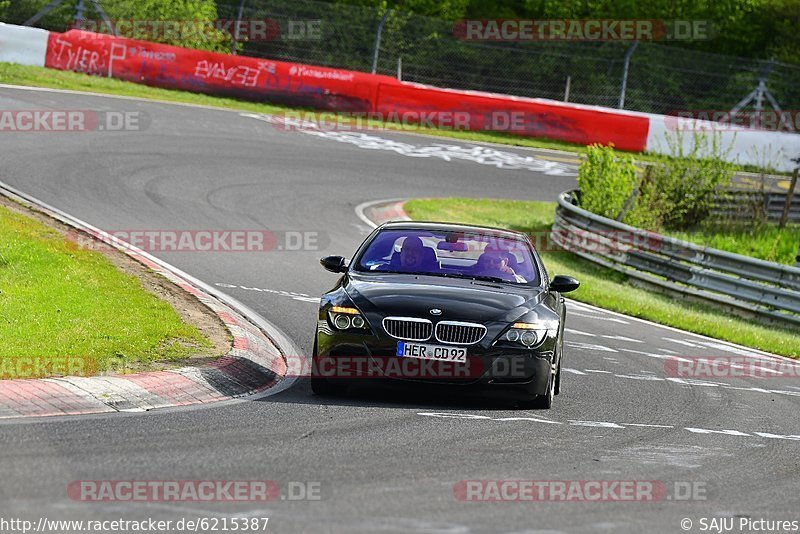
(443, 304)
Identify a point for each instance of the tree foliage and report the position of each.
(197, 19)
(750, 28)
(606, 180)
(191, 12)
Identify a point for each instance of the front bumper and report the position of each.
(352, 359)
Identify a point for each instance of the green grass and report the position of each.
(42, 77)
(604, 287)
(61, 305)
(763, 241)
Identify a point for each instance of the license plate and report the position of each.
(440, 353)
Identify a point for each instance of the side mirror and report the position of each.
(564, 284)
(334, 264)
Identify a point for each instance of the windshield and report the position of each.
(474, 254)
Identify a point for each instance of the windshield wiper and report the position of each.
(476, 277)
(491, 279)
(451, 275)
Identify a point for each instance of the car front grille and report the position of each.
(408, 328)
(459, 333)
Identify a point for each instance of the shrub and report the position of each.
(606, 180)
(649, 206)
(688, 181)
(676, 192)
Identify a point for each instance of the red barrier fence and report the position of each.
(520, 116)
(173, 67)
(335, 89)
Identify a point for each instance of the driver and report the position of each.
(412, 253)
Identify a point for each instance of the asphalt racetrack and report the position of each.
(386, 461)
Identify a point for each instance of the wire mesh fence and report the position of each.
(661, 78)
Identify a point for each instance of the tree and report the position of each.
(196, 20)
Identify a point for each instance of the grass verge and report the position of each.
(604, 287)
(56, 79)
(67, 310)
(764, 241)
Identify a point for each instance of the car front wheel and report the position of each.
(545, 401)
(558, 372)
(320, 385)
(558, 380)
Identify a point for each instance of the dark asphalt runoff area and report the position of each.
(385, 461)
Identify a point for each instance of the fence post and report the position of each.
(566, 89)
(628, 53)
(80, 9)
(789, 196)
(399, 68)
(237, 28)
(378, 41)
(99, 9)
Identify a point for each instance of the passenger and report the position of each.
(494, 263)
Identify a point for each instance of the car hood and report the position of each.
(458, 299)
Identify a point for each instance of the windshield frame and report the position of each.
(540, 278)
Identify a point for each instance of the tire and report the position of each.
(319, 385)
(542, 402)
(323, 387)
(557, 388)
(558, 379)
(560, 355)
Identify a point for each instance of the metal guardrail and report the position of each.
(742, 282)
(749, 204)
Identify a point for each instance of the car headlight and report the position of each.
(528, 334)
(346, 318)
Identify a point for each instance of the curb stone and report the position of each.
(254, 363)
